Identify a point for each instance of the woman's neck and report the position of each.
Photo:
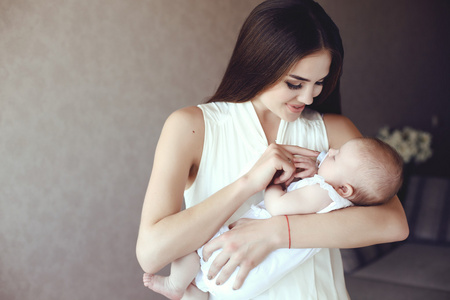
(269, 121)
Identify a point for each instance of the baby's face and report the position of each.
(338, 165)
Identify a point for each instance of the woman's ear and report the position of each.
(345, 190)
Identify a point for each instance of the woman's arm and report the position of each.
(351, 227)
(167, 233)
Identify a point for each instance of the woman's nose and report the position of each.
(306, 97)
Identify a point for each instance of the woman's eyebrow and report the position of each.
(304, 79)
(299, 78)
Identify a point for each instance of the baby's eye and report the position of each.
(293, 86)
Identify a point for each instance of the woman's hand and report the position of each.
(278, 164)
(246, 245)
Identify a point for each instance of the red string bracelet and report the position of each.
(289, 230)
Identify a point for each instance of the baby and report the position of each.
(364, 171)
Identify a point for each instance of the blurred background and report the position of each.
(85, 87)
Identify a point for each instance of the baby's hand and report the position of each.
(306, 166)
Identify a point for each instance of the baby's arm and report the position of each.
(305, 200)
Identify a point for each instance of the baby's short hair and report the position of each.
(379, 174)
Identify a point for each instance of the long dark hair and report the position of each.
(276, 35)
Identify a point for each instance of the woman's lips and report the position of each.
(295, 108)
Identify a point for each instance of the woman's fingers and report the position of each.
(223, 267)
(210, 247)
(254, 256)
(218, 265)
(226, 271)
(242, 248)
(277, 164)
(240, 277)
(244, 269)
(222, 263)
(304, 173)
(296, 150)
(292, 158)
(240, 221)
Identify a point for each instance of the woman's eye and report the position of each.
(319, 83)
(293, 86)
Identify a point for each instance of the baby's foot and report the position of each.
(162, 285)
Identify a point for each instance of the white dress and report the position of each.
(234, 140)
(277, 264)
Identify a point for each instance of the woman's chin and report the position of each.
(292, 117)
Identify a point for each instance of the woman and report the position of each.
(220, 156)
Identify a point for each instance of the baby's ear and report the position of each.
(345, 190)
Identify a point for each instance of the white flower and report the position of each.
(383, 132)
(410, 143)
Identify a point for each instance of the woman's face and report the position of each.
(288, 97)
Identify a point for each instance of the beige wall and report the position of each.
(85, 87)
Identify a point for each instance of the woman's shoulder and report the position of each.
(340, 129)
(185, 122)
(186, 116)
(338, 122)
(193, 118)
(183, 133)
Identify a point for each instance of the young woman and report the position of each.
(288, 56)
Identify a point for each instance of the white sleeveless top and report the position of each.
(234, 141)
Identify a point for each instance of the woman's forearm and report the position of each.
(350, 227)
(181, 233)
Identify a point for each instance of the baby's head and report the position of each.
(365, 170)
